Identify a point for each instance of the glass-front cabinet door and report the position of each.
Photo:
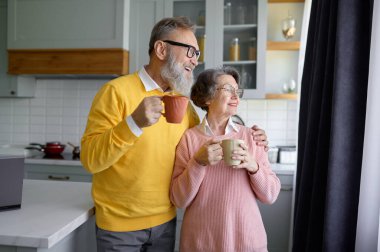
(196, 11)
(230, 33)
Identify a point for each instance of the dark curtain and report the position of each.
(331, 125)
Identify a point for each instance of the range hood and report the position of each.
(69, 63)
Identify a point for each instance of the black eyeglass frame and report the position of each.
(195, 52)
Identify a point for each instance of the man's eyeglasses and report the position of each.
(238, 92)
(191, 50)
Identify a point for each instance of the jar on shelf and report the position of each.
(235, 50)
(201, 43)
(240, 14)
(252, 49)
(201, 20)
(251, 17)
(227, 13)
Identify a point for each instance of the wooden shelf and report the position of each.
(239, 62)
(292, 96)
(286, 1)
(69, 61)
(283, 45)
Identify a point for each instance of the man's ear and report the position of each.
(160, 49)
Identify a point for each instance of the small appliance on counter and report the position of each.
(11, 182)
(287, 155)
(273, 155)
(282, 154)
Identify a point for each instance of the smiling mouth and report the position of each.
(189, 69)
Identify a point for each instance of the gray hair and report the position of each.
(204, 88)
(166, 26)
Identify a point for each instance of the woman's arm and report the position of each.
(264, 182)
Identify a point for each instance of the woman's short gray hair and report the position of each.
(205, 86)
(167, 25)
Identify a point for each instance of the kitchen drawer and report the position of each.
(57, 172)
(58, 177)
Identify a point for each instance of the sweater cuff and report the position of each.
(133, 126)
(253, 173)
(124, 134)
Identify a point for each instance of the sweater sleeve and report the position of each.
(187, 175)
(264, 183)
(107, 136)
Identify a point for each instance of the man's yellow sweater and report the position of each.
(131, 175)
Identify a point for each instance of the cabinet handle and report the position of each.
(58, 177)
(287, 188)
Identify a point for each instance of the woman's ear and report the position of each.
(160, 49)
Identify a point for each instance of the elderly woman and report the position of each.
(221, 209)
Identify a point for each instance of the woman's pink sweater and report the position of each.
(221, 210)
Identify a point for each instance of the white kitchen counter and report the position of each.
(283, 169)
(50, 211)
(277, 168)
(29, 160)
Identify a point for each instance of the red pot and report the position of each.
(50, 148)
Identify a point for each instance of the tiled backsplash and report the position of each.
(59, 111)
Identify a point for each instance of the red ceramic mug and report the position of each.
(175, 107)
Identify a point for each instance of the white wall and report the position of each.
(281, 66)
(367, 233)
(60, 108)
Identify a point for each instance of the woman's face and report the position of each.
(226, 99)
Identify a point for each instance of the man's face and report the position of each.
(178, 68)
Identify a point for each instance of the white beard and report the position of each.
(172, 74)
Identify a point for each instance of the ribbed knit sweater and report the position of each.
(221, 208)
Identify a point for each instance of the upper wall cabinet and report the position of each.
(230, 33)
(68, 37)
(145, 14)
(11, 85)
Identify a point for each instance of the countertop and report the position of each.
(50, 210)
(283, 169)
(66, 159)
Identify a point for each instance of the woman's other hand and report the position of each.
(210, 153)
(260, 137)
(247, 161)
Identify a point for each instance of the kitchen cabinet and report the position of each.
(68, 37)
(247, 23)
(282, 55)
(73, 173)
(11, 85)
(54, 217)
(277, 217)
(145, 14)
(212, 35)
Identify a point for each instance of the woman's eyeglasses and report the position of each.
(238, 92)
(191, 50)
